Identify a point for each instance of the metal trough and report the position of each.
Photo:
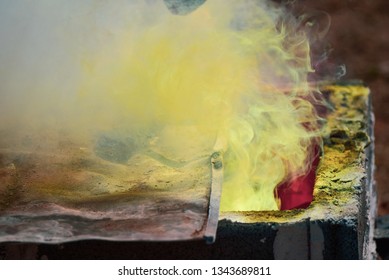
(338, 224)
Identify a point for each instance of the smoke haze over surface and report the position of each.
(76, 70)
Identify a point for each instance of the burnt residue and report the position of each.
(339, 136)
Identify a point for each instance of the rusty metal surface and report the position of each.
(78, 194)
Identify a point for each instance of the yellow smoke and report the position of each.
(223, 69)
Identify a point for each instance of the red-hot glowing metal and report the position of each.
(298, 193)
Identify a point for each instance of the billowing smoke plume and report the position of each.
(102, 73)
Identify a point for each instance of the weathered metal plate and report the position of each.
(98, 193)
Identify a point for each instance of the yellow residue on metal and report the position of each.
(342, 169)
(346, 137)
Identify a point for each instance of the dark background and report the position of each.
(359, 38)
